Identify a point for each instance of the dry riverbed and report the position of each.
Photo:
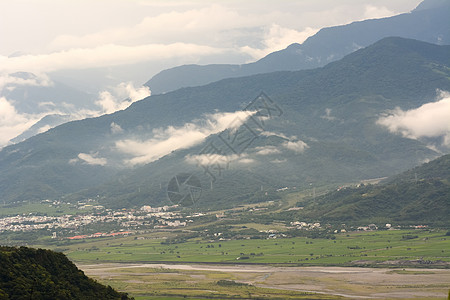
(358, 283)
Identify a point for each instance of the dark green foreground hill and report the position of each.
(27, 273)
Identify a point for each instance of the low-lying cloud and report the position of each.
(11, 81)
(267, 150)
(212, 160)
(166, 140)
(89, 159)
(431, 120)
(13, 123)
(277, 38)
(122, 96)
(297, 146)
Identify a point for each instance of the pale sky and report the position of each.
(52, 35)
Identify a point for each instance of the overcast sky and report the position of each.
(51, 35)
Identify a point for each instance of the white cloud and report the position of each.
(90, 159)
(10, 81)
(104, 56)
(190, 25)
(121, 97)
(292, 143)
(278, 161)
(328, 115)
(277, 38)
(13, 123)
(267, 150)
(431, 120)
(44, 128)
(166, 140)
(116, 129)
(246, 161)
(376, 12)
(296, 146)
(135, 94)
(171, 32)
(216, 159)
(270, 133)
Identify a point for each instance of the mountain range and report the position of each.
(58, 97)
(46, 101)
(324, 129)
(429, 22)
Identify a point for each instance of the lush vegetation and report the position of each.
(344, 146)
(418, 196)
(27, 273)
(420, 248)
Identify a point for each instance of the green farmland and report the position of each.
(152, 269)
(424, 247)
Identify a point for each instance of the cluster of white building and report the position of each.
(125, 218)
(32, 222)
(306, 226)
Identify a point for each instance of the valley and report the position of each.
(251, 252)
(265, 250)
(281, 159)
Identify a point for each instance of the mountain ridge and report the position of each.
(343, 145)
(328, 45)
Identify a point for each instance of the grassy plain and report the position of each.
(355, 248)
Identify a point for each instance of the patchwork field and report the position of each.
(418, 248)
(409, 264)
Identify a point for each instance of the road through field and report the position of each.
(376, 283)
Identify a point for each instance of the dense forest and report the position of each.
(419, 195)
(27, 273)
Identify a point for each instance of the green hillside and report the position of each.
(420, 196)
(27, 273)
(344, 146)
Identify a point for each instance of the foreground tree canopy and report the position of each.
(27, 273)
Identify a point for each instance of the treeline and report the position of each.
(27, 273)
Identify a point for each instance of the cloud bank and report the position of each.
(13, 123)
(296, 146)
(177, 31)
(11, 81)
(431, 120)
(166, 140)
(102, 56)
(122, 97)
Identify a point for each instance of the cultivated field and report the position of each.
(413, 248)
